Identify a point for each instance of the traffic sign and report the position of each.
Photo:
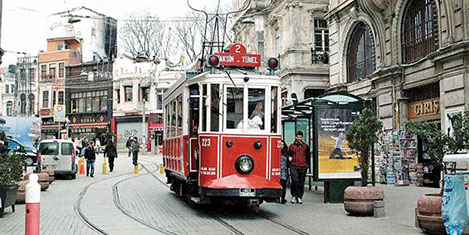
(59, 113)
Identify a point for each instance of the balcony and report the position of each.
(47, 78)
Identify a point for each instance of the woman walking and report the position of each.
(111, 153)
(284, 170)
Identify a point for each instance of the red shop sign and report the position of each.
(238, 57)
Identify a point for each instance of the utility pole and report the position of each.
(143, 126)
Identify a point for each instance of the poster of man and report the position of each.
(335, 159)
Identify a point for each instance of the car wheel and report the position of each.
(73, 176)
(29, 161)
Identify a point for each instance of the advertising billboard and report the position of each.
(24, 129)
(335, 158)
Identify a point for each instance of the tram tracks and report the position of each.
(226, 223)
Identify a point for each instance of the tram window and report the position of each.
(194, 109)
(173, 118)
(274, 108)
(166, 111)
(204, 107)
(234, 108)
(256, 106)
(215, 107)
(179, 115)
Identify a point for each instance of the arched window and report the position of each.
(419, 30)
(361, 53)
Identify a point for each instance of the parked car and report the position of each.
(59, 156)
(17, 147)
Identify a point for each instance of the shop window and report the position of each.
(214, 107)
(361, 53)
(234, 108)
(45, 99)
(74, 104)
(256, 106)
(128, 93)
(419, 30)
(274, 109)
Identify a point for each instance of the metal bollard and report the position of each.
(136, 169)
(33, 199)
(104, 166)
(161, 169)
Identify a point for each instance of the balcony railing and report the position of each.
(319, 56)
(47, 78)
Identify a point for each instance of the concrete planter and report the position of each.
(428, 214)
(21, 194)
(361, 201)
(51, 175)
(43, 180)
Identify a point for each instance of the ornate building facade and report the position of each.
(409, 56)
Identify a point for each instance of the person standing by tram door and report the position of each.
(111, 152)
(299, 166)
(90, 156)
(128, 145)
(284, 168)
(135, 146)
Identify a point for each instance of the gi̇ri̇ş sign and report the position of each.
(238, 57)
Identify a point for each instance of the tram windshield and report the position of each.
(234, 107)
(256, 107)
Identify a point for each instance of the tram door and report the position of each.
(194, 100)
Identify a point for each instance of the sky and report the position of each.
(25, 23)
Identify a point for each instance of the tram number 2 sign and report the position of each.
(205, 142)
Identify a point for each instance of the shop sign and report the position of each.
(238, 57)
(44, 112)
(425, 108)
(59, 113)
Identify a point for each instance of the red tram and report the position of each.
(222, 134)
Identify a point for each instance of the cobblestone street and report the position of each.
(123, 203)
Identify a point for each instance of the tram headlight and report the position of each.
(244, 164)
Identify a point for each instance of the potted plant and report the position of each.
(360, 136)
(428, 212)
(11, 171)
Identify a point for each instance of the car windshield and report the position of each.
(12, 144)
(49, 148)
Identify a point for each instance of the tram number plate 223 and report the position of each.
(247, 192)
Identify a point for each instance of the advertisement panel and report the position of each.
(335, 158)
(24, 129)
(126, 130)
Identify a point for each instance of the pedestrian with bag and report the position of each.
(111, 152)
(299, 162)
(135, 149)
(284, 168)
(90, 156)
(128, 145)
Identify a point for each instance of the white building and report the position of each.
(137, 86)
(97, 31)
(296, 33)
(27, 86)
(8, 89)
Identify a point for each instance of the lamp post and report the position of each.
(143, 126)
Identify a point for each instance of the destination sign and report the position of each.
(238, 57)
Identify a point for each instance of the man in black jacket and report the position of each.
(90, 156)
(111, 153)
(128, 145)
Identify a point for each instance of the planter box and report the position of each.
(8, 198)
(361, 201)
(429, 218)
(21, 195)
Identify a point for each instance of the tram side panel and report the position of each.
(276, 158)
(209, 159)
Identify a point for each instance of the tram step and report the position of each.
(199, 200)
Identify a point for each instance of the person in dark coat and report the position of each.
(284, 174)
(90, 156)
(110, 152)
(128, 145)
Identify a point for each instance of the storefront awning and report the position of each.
(50, 127)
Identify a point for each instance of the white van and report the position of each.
(59, 156)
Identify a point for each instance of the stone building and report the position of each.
(296, 32)
(27, 86)
(409, 56)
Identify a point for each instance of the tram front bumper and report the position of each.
(241, 186)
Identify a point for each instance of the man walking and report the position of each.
(128, 145)
(90, 156)
(111, 153)
(135, 149)
(300, 161)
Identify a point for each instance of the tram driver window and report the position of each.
(256, 106)
(234, 108)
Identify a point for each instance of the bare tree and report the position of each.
(189, 34)
(143, 33)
